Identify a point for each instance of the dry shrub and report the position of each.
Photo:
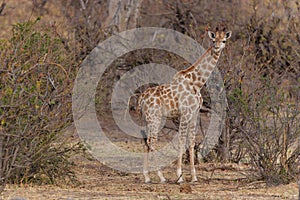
(267, 130)
(35, 106)
(261, 77)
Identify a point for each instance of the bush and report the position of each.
(35, 106)
(269, 129)
(262, 83)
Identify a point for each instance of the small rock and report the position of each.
(185, 188)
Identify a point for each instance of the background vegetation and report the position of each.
(41, 53)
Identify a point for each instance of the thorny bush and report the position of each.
(35, 106)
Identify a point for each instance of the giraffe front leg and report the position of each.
(161, 176)
(182, 143)
(191, 143)
(192, 161)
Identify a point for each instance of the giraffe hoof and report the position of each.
(163, 181)
(147, 181)
(194, 180)
(180, 181)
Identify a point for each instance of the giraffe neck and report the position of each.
(197, 74)
(207, 64)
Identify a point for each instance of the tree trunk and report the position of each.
(123, 14)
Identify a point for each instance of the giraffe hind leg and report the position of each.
(146, 159)
(146, 167)
(151, 143)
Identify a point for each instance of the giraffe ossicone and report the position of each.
(180, 99)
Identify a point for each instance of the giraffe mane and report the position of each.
(192, 67)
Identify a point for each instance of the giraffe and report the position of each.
(180, 99)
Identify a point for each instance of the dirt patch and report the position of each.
(216, 181)
(97, 181)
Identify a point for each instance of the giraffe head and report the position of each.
(219, 38)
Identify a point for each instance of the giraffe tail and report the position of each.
(143, 133)
(128, 107)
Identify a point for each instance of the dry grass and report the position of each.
(97, 181)
(100, 182)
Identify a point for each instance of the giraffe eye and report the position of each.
(224, 41)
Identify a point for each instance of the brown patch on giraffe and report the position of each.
(185, 82)
(188, 76)
(157, 93)
(180, 88)
(194, 90)
(198, 84)
(204, 66)
(193, 77)
(173, 87)
(172, 104)
(210, 67)
(145, 96)
(176, 101)
(147, 101)
(206, 74)
(199, 74)
(183, 96)
(151, 104)
(187, 86)
(167, 101)
(157, 101)
(191, 100)
(209, 59)
(185, 93)
(151, 90)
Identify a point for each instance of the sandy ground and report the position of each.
(97, 181)
(216, 181)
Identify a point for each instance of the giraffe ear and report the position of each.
(211, 35)
(228, 34)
